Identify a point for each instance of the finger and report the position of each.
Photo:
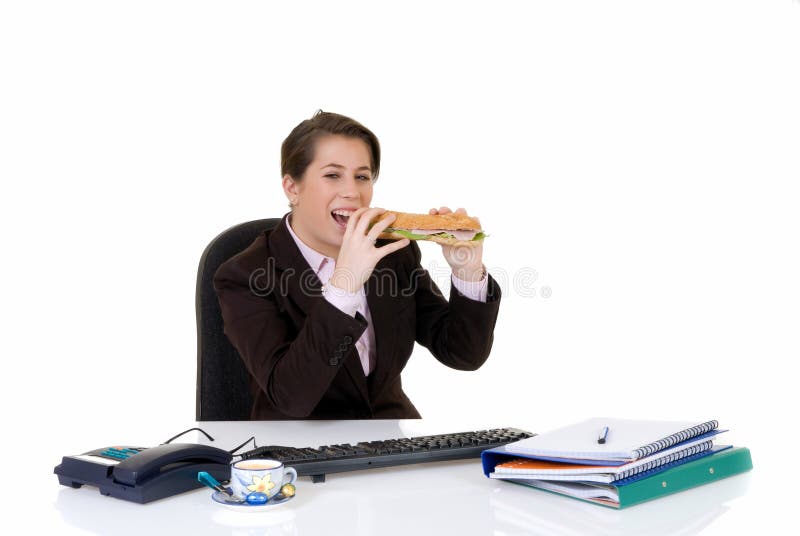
(381, 226)
(391, 247)
(433, 212)
(353, 220)
(461, 211)
(365, 219)
(444, 210)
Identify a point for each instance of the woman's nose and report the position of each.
(349, 188)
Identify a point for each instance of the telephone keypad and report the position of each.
(119, 453)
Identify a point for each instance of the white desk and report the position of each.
(438, 498)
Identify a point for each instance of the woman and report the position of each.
(323, 313)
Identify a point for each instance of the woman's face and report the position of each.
(336, 183)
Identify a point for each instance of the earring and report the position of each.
(293, 202)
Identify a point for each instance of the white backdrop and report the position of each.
(633, 162)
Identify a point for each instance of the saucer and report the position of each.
(218, 498)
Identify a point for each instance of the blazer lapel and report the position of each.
(293, 274)
(379, 300)
(352, 363)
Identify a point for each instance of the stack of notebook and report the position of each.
(617, 462)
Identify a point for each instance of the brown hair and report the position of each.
(297, 150)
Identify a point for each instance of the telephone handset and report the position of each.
(144, 474)
(149, 463)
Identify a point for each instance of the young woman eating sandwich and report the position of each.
(325, 308)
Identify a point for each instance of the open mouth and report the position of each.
(341, 216)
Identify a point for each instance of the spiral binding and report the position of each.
(674, 439)
(664, 467)
(691, 451)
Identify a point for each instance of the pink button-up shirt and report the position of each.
(350, 303)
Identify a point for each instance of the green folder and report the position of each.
(681, 477)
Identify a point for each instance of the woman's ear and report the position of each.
(291, 189)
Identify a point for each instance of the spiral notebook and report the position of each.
(626, 440)
(533, 469)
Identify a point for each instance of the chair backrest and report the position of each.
(223, 385)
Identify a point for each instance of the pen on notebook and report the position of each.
(603, 435)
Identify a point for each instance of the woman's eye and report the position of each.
(358, 177)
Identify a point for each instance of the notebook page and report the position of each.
(579, 440)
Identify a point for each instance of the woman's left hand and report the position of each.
(465, 261)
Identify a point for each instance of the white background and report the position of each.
(634, 163)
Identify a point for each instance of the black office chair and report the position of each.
(223, 392)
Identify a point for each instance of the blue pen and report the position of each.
(603, 435)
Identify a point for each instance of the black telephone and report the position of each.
(144, 474)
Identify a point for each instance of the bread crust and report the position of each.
(428, 222)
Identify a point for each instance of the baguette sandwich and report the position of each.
(449, 229)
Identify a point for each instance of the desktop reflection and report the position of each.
(273, 523)
(520, 510)
(87, 510)
(440, 498)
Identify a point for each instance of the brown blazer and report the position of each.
(300, 350)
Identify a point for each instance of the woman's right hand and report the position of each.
(358, 254)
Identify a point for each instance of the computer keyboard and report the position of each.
(317, 462)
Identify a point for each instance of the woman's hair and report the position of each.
(297, 150)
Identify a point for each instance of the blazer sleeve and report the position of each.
(458, 333)
(293, 367)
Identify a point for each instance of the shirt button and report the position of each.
(348, 339)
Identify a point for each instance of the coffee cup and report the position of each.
(260, 476)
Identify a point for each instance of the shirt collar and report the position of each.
(314, 258)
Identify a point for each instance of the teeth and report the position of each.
(345, 213)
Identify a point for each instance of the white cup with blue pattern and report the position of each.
(260, 476)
